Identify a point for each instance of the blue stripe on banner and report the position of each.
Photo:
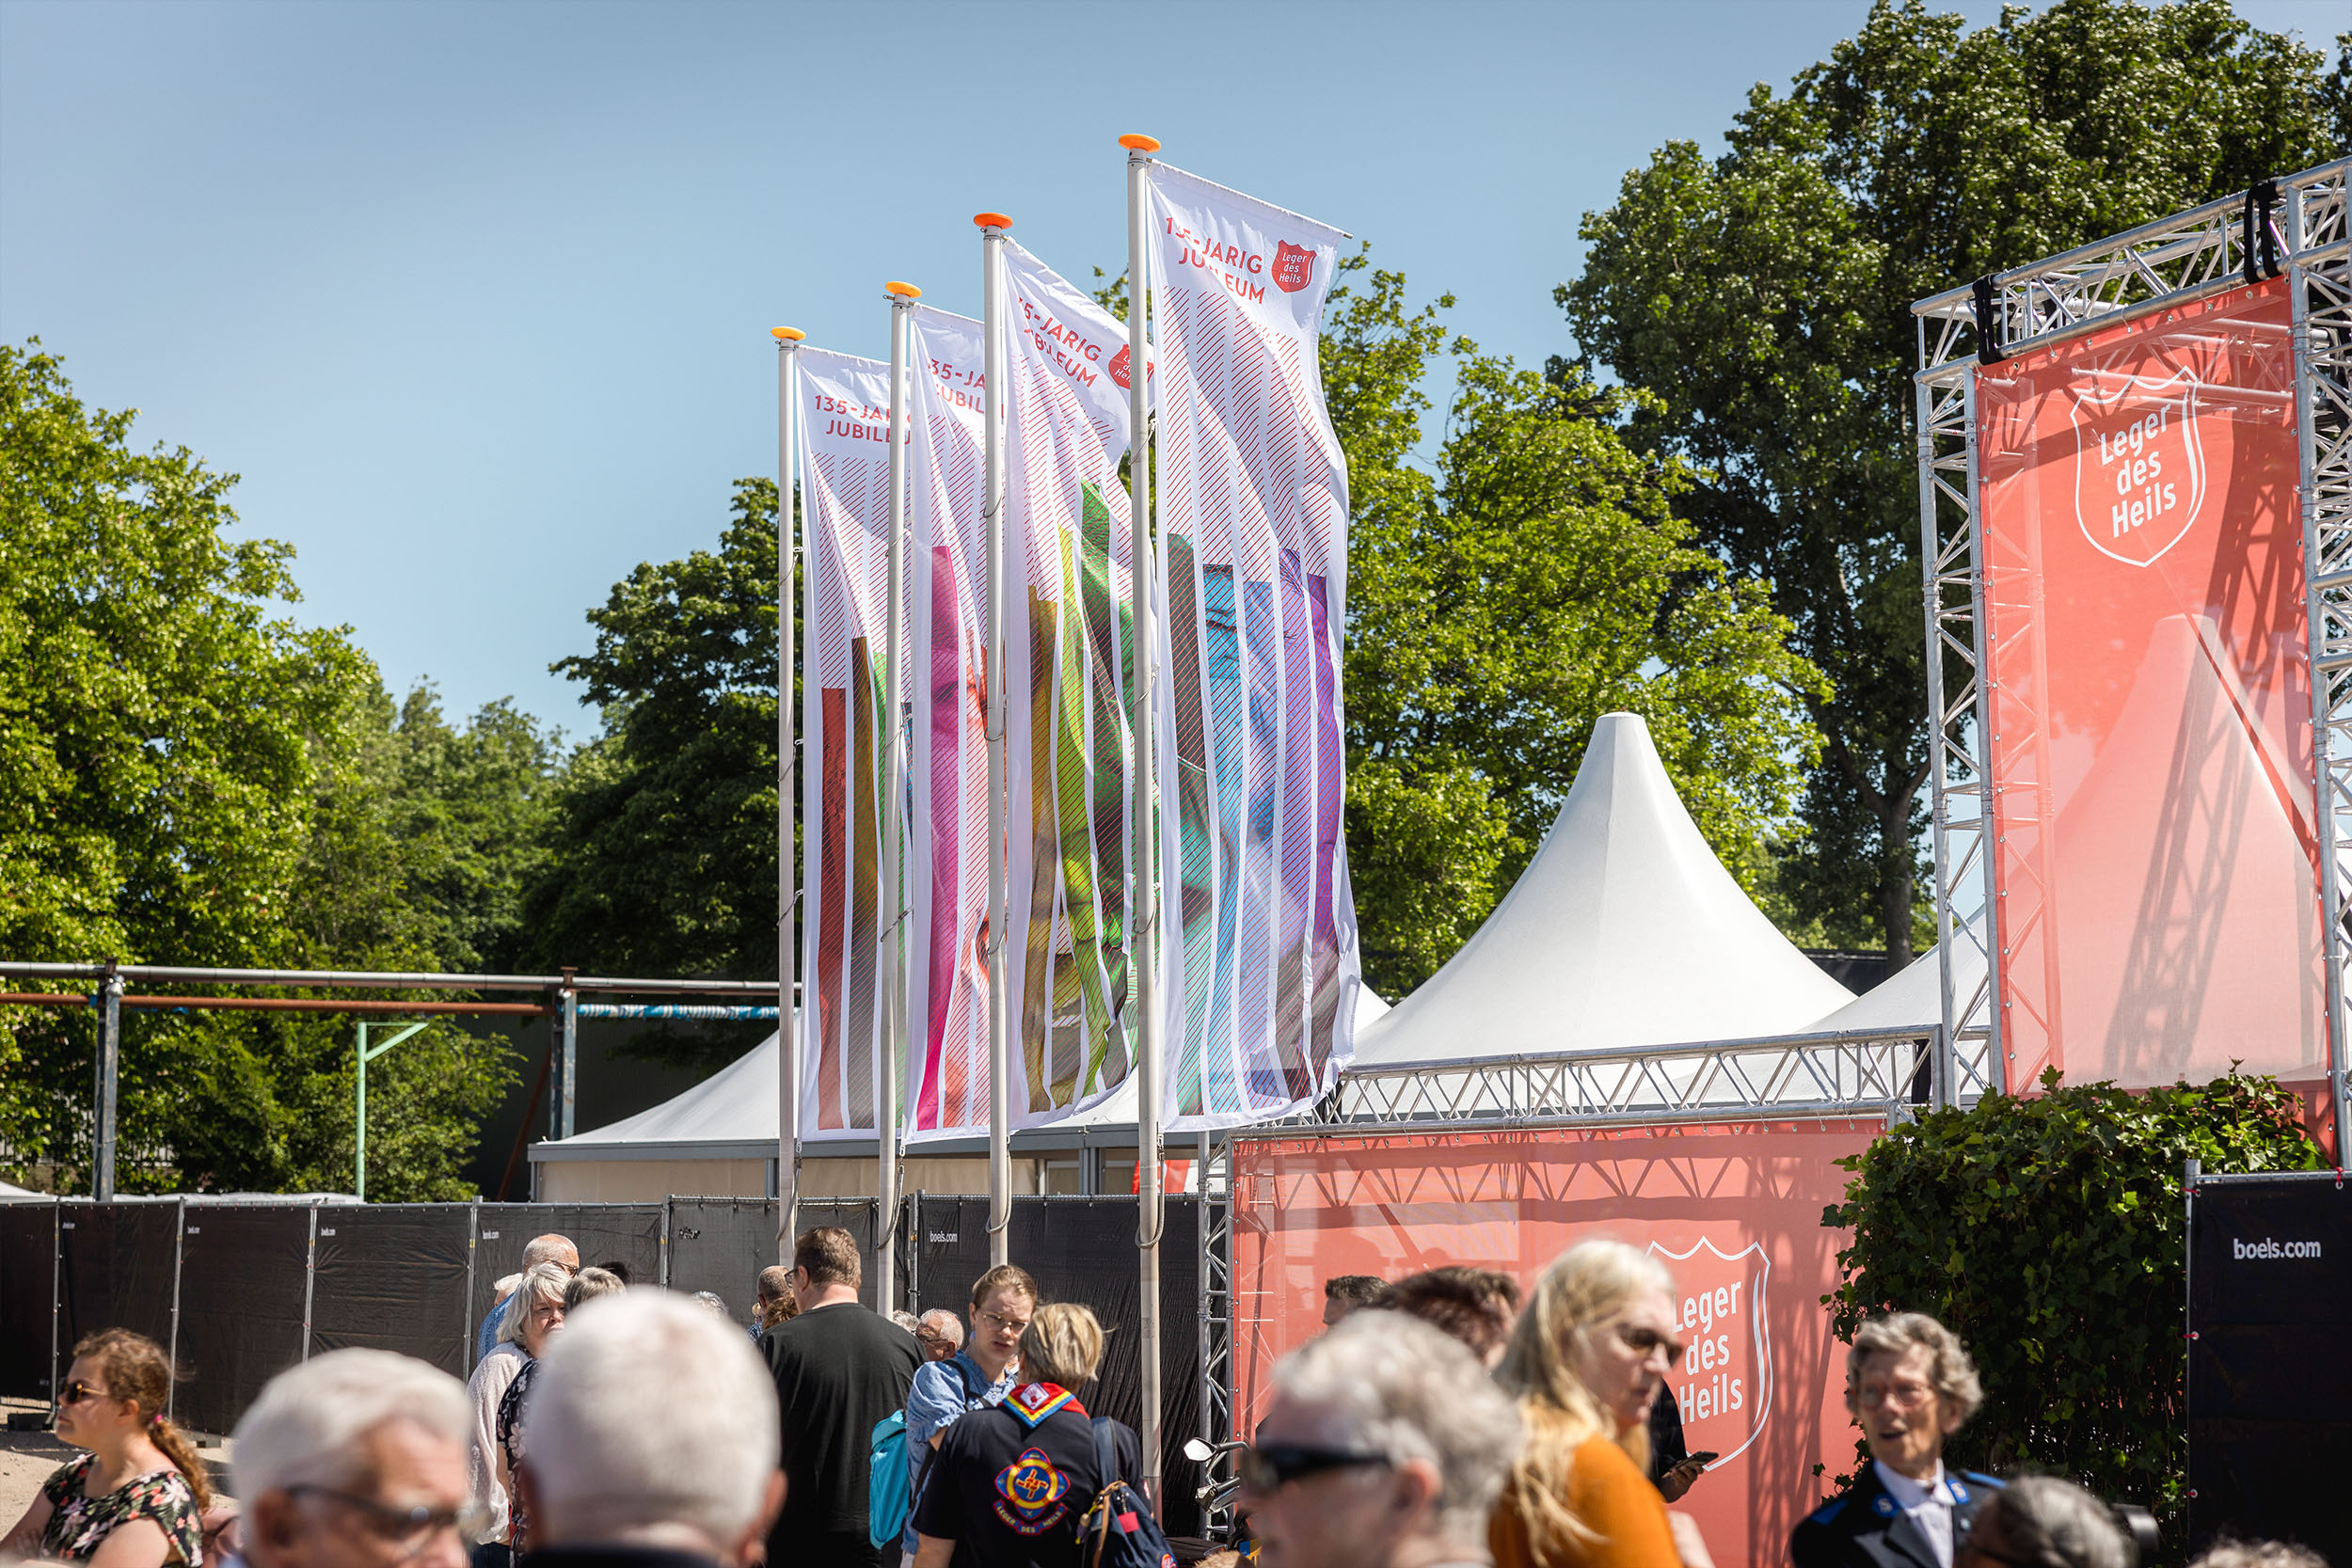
(1221, 657)
(1265, 1080)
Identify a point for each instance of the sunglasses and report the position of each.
(1267, 1467)
(1644, 1343)
(410, 1529)
(77, 1391)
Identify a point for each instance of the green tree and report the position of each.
(1762, 299)
(2048, 1233)
(187, 777)
(1499, 605)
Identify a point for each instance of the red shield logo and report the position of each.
(1119, 366)
(1725, 1383)
(1293, 266)
(2139, 464)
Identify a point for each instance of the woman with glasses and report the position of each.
(1003, 1300)
(533, 1313)
(140, 1492)
(1011, 1481)
(1587, 1360)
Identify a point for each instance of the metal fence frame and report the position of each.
(2296, 225)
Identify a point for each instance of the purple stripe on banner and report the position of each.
(1267, 1077)
(1330, 796)
(1296, 891)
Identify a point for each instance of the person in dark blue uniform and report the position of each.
(1909, 1386)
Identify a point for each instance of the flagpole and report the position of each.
(788, 949)
(1143, 943)
(902, 297)
(993, 227)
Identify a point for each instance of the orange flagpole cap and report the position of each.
(902, 290)
(992, 220)
(786, 334)
(1135, 141)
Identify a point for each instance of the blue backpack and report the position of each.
(889, 1497)
(1118, 1530)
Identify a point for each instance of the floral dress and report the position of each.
(80, 1524)
(510, 1432)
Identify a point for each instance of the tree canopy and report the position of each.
(191, 777)
(1760, 299)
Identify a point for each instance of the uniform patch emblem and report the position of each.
(1033, 1401)
(1883, 1506)
(1029, 1493)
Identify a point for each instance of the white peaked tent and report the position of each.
(1624, 931)
(1912, 998)
(718, 1139)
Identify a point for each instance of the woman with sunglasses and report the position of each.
(136, 1499)
(1587, 1360)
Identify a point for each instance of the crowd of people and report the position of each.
(1438, 1419)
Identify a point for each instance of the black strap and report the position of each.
(2257, 240)
(1989, 350)
(1105, 1455)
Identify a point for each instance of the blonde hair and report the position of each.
(540, 1282)
(1062, 1344)
(1584, 1289)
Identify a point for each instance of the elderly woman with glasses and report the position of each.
(1587, 1360)
(533, 1315)
(1909, 1386)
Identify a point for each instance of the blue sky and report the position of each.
(476, 298)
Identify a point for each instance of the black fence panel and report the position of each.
(115, 1271)
(629, 1233)
(1084, 1250)
(720, 1243)
(2269, 1381)
(241, 1284)
(393, 1276)
(28, 1239)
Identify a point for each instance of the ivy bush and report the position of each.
(2048, 1233)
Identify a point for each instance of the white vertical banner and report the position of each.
(1260, 967)
(1070, 658)
(845, 442)
(948, 586)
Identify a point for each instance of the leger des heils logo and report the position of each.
(1293, 266)
(2139, 464)
(1725, 1383)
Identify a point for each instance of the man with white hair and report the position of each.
(549, 1248)
(654, 1439)
(355, 1459)
(1386, 1447)
(938, 1333)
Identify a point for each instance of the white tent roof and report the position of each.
(1625, 930)
(1911, 998)
(736, 1105)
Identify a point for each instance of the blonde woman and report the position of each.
(535, 1314)
(1587, 1360)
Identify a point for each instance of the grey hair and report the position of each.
(540, 1282)
(650, 1410)
(2046, 1523)
(587, 1285)
(948, 1325)
(906, 1320)
(1402, 1389)
(1949, 1367)
(306, 1427)
(2259, 1554)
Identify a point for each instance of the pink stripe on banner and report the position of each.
(947, 671)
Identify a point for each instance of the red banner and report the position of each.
(2156, 860)
(1733, 1211)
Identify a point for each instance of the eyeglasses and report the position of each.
(1267, 1467)
(1010, 1325)
(77, 1391)
(1902, 1396)
(410, 1529)
(1646, 1342)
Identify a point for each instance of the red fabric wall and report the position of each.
(1734, 1210)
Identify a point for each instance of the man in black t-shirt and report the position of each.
(840, 1368)
(1013, 1480)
